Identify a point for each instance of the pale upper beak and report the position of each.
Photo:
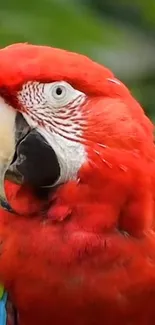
(7, 142)
(13, 128)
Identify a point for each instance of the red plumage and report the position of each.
(90, 258)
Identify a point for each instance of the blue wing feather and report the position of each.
(3, 315)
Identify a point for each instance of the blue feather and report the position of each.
(3, 315)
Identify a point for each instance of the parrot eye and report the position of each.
(59, 91)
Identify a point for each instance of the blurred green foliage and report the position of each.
(119, 34)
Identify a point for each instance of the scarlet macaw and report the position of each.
(77, 169)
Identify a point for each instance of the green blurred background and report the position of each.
(119, 34)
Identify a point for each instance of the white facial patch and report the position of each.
(71, 155)
(54, 109)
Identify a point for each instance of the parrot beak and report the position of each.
(13, 127)
(7, 143)
(25, 156)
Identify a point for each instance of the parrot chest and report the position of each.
(80, 278)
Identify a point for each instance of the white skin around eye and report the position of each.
(57, 105)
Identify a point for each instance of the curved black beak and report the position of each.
(32, 160)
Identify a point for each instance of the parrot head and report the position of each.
(66, 119)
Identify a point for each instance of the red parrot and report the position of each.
(77, 171)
